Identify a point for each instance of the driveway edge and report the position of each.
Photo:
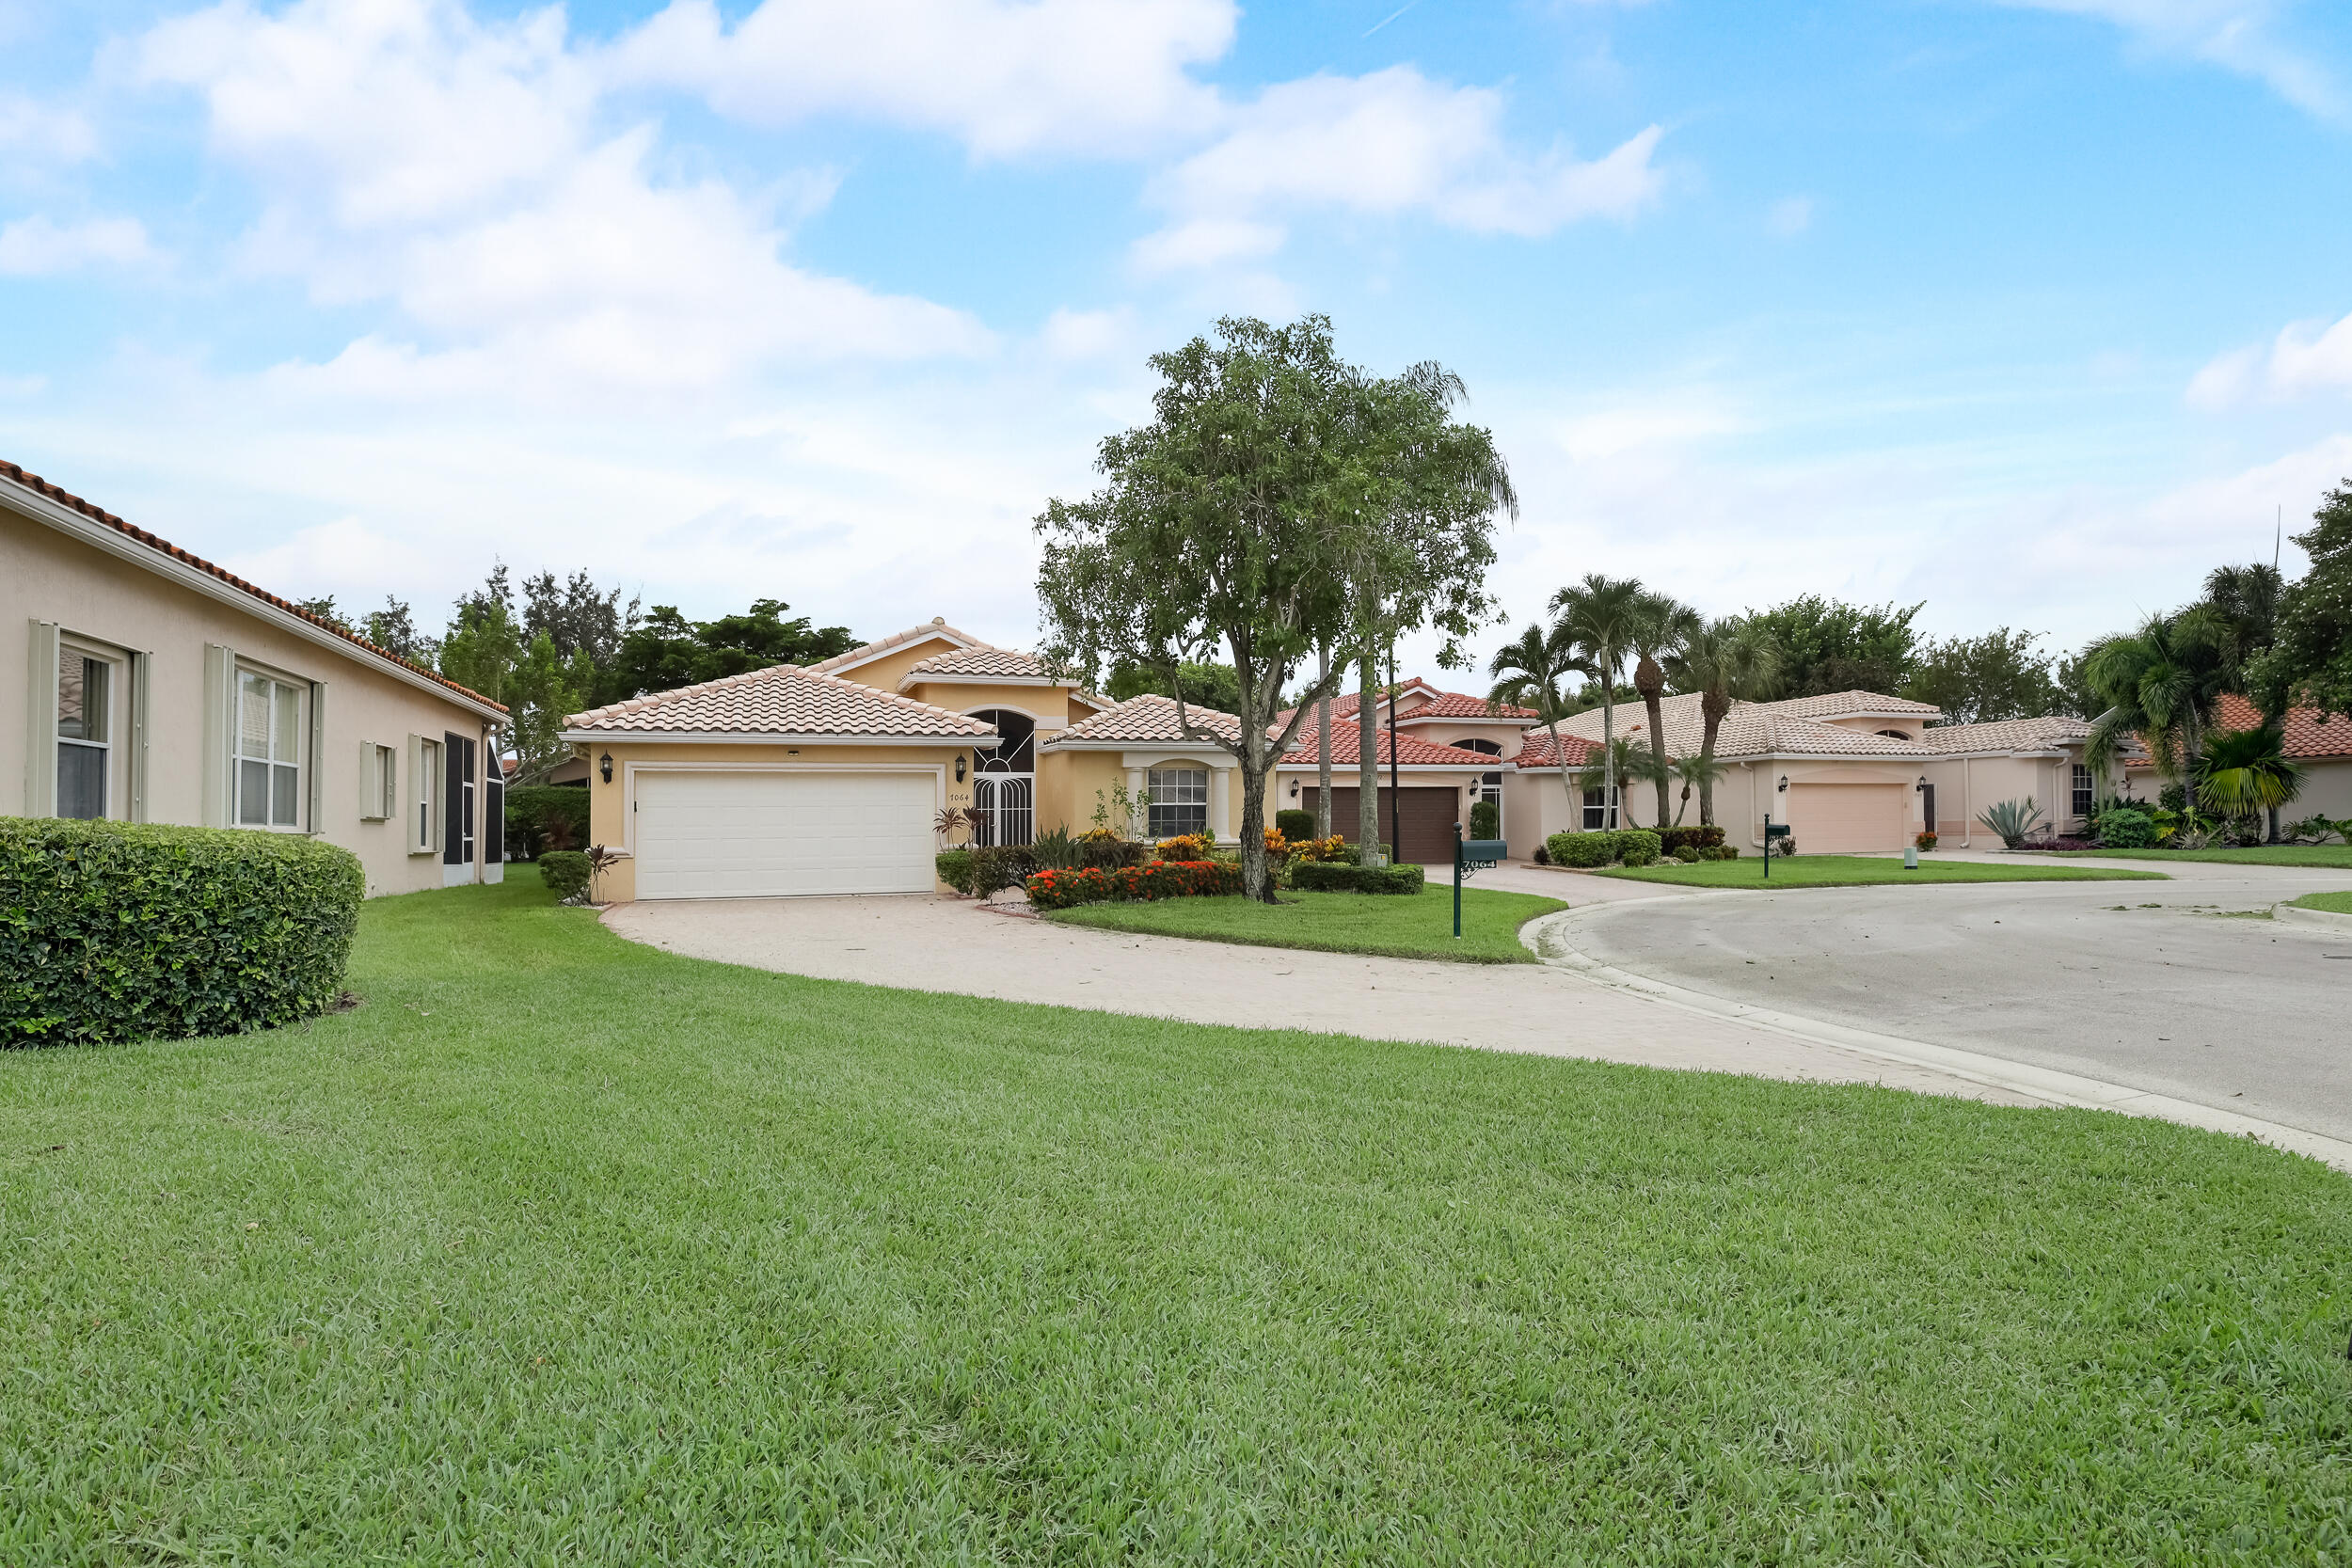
(1548, 935)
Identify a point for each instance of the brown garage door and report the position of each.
(1428, 814)
(1832, 820)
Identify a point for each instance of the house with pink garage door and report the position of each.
(1848, 771)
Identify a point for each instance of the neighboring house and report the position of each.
(1849, 771)
(2322, 743)
(829, 779)
(146, 685)
(1452, 748)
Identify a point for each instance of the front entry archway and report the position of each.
(1004, 783)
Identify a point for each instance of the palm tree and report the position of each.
(1696, 771)
(1623, 759)
(1599, 618)
(1531, 671)
(2245, 772)
(2244, 600)
(1659, 631)
(2162, 682)
(1723, 661)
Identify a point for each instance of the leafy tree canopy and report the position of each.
(2310, 658)
(1828, 645)
(1211, 685)
(665, 650)
(1981, 679)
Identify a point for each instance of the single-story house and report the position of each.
(2322, 743)
(147, 685)
(1848, 771)
(831, 778)
(1448, 741)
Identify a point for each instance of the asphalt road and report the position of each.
(2175, 991)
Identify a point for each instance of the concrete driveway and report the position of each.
(2166, 987)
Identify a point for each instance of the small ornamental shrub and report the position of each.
(1543, 854)
(1295, 824)
(1276, 846)
(1332, 848)
(1055, 850)
(2121, 828)
(954, 869)
(1637, 846)
(540, 818)
(566, 871)
(1703, 836)
(1154, 880)
(1110, 852)
(1784, 847)
(116, 930)
(1339, 877)
(1485, 819)
(1582, 850)
(2011, 821)
(1925, 841)
(1688, 854)
(1186, 846)
(1000, 865)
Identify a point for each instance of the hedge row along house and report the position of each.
(144, 684)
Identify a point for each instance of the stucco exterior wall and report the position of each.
(120, 607)
(884, 673)
(611, 805)
(1049, 705)
(2327, 791)
(1068, 783)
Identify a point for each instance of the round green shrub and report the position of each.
(1293, 823)
(2121, 828)
(1485, 819)
(119, 930)
(566, 871)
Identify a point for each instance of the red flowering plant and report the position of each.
(1063, 889)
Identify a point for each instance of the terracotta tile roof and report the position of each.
(1147, 719)
(1536, 751)
(2007, 734)
(2309, 733)
(164, 546)
(860, 654)
(1411, 751)
(981, 661)
(782, 700)
(1445, 704)
(1790, 728)
(1844, 705)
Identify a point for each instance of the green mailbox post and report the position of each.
(1772, 831)
(1472, 855)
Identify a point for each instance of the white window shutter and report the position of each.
(142, 705)
(415, 832)
(40, 739)
(220, 732)
(317, 824)
(371, 783)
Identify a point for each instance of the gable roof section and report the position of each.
(979, 662)
(1854, 704)
(1147, 719)
(1442, 705)
(869, 652)
(1411, 751)
(2047, 733)
(167, 550)
(2309, 732)
(1536, 751)
(782, 701)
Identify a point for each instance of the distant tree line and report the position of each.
(562, 644)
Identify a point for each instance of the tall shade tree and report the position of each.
(1273, 486)
(2310, 658)
(1978, 679)
(1599, 618)
(1723, 661)
(1830, 646)
(1531, 671)
(2161, 682)
(1658, 632)
(2245, 604)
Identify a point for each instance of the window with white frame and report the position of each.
(1600, 810)
(379, 777)
(270, 747)
(1180, 800)
(85, 733)
(2085, 793)
(424, 792)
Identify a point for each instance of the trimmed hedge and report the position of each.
(566, 871)
(1339, 877)
(1295, 823)
(1000, 865)
(2121, 828)
(1485, 819)
(954, 869)
(1603, 846)
(1704, 836)
(532, 807)
(119, 930)
(1093, 884)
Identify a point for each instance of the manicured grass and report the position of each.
(2334, 903)
(1391, 925)
(2281, 854)
(565, 1250)
(1864, 871)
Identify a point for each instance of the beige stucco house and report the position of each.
(2321, 743)
(1849, 771)
(831, 778)
(143, 684)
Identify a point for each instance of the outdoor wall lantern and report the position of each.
(604, 765)
(1922, 785)
(1293, 789)
(959, 768)
(1783, 783)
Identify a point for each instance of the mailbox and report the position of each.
(1775, 829)
(1481, 853)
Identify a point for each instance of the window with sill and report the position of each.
(85, 734)
(2085, 795)
(1180, 800)
(269, 760)
(1600, 810)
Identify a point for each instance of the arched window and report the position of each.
(1489, 785)
(1003, 786)
(1894, 735)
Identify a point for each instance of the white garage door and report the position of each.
(768, 836)
(1834, 819)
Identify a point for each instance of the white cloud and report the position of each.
(1629, 427)
(35, 246)
(406, 152)
(1384, 144)
(2243, 36)
(1004, 77)
(1082, 335)
(2305, 359)
(31, 129)
(1790, 216)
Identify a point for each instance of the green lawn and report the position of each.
(2281, 854)
(2334, 903)
(564, 1250)
(1389, 924)
(1864, 871)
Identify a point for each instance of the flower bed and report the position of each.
(1090, 884)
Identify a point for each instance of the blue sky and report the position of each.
(2034, 311)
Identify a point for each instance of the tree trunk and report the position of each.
(1567, 783)
(1650, 681)
(1322, 747)
(1256, 880)
(1368, 757)
(1711, 711)
(1609, 810)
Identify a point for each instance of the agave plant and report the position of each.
(2012, 820)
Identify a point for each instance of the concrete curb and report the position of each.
(2325, 919)
(1551, 936)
